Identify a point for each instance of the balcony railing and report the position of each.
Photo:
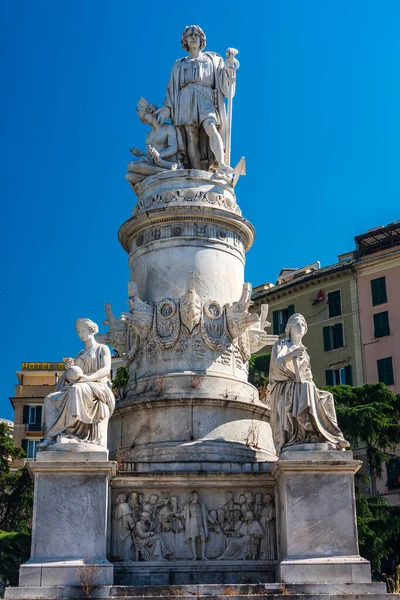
(33, 427)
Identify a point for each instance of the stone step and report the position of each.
(269, 591)
(245, 590)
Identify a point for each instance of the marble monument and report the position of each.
(208, 485)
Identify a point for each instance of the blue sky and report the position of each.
(317, 115)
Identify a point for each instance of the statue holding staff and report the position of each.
(195, 101)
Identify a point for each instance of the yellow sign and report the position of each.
(42, 366)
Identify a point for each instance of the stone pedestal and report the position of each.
(188, 399)
(69, 528)
(317, 518)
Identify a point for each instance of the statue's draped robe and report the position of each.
(123, 527)
(245, 545)
(300, 412)
(151, 546)
(268, 542)
(78, 410)
(190, 96)
(196, 521)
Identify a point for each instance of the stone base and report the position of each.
(69, 522)
(350, 569)
(191, 572)
(65, 572)
(318, 529)
(270, 591)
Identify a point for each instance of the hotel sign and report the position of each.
(42, 366)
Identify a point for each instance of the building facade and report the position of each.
(353, 317)
(35, 381)
(327, 297)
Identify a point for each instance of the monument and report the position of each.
(208, 485)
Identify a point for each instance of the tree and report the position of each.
(258, 373)
(16, 499)
(369, 417)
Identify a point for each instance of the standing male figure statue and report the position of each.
(195, 100)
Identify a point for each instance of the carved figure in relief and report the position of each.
(248, 504)
(258, 506)
(246, 545)
(140, 315)
(149, 544)
(231, 510)
(300, 412)
(195, 100)
(237, 314)
(133, 501)
(79, 410)
(123, 527)
(258, 337)
(176, 516)
(117, 334)
(190, 305)
(196, 524)
(151, 507)
(163, 144)
(267, 521)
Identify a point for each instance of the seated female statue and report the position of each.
(83, 402)
(300, 412)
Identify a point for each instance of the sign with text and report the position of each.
(42, 366)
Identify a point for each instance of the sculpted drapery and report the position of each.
(80, 409)
(300, 412)
(191, 97)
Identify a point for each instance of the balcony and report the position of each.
(38, 427)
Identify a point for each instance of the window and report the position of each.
(32, 418)
(334, 304)
(280, 318)
(30, 447)
(339, 376)
(381, 324)
(393, 473)
(378, 291)
(333, 337)
(385, 370)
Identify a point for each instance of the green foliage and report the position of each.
(14, 550)
(120, 380)
(16, 499)
(259, 369)
(378, 532)
(369, 416)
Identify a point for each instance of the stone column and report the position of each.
(69, 518)
(188, 399)
(317, 515)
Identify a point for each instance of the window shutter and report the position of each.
(329, 377)
(385, 370)
(275, 321)
(290, 310)
(348, 375)
(378, 291)
(24, 445)
(393, 473)
(327, 338)
(334, 304)
(38, 420)
(338, 335)
(25, 415)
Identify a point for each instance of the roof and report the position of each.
(378, 239)
(325, 272)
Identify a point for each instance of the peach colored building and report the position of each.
(378, 283)
(377, 270)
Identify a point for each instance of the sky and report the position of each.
(316, 114)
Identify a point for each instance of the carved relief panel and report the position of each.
(159, 526)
